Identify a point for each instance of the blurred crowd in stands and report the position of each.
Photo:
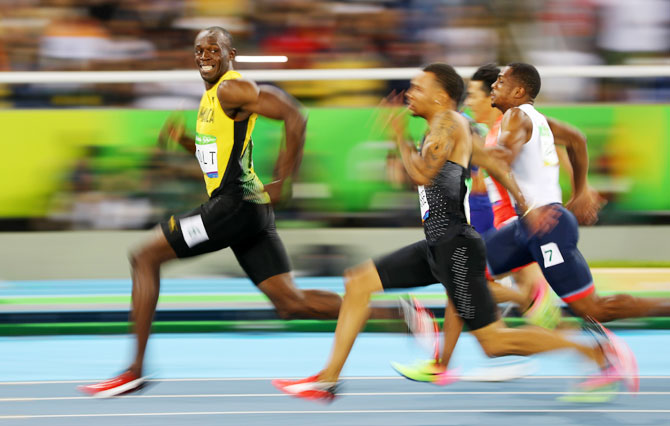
(158, 35)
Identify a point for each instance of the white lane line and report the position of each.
(221, 413)
(252, 379)
(273, 395)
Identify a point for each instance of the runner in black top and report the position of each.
(452, 253)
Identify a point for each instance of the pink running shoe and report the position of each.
(310, 388)
(621, 359)
(423, 326)
(608, 376)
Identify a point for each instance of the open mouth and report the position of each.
(206, 68)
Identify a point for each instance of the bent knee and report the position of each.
(143, 258)
(492, 349)
(362, 280)
(293, 310)
(355, 287)
(608, 308)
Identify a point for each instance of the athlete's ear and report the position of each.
(232, 53)
(519, 92)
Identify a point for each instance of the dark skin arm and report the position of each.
(564, 163)
(174, 130)
(443, 142)
(408, 154)
(240, 98)
(585, 201)
(437, 149)
(516, 131)
(575, 144)
(494, 161)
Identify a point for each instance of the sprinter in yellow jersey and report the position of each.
(238, 214)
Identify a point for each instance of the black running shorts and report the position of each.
(458, 263)
(247, 228)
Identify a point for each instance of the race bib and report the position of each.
(423, 202)
(552, 255)
(549, 155)
(206, 153)
(193, 230)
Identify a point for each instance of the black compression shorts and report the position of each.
(247, 228)
(458, 263)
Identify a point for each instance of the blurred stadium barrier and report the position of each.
(175, 76)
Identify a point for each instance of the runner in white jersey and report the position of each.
(526, 287)
(452, 253)
(536, 165)
(528, 139)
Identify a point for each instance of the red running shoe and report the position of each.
(310, 388)
(124, 383)
(422, 325)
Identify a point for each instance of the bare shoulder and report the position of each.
(516, 116)
(453, 117)
(451, 123)
(462, 121)
(448, 140)
(237, 92)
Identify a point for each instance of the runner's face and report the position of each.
(420, 96)
(501, 90)
(212, 55)
(478, 101)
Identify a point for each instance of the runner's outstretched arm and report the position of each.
(575, 143)
(438, 147)
(242, 97)
(174, 129)
(491, 159)
(585, 202)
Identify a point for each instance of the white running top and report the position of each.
(536, 166)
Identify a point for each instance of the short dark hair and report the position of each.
(487, 74)
(224, 32)
(527, 75)
(449, 80)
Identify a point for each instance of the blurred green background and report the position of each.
(56, 161)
